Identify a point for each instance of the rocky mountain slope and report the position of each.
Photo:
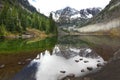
(26, 4)
(70, 16)
(107, 21)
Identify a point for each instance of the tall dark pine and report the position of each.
(52, 28)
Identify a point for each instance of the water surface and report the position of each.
(16, 55)
(105, 46)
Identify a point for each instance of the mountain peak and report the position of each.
(68, 14)
(67, 8)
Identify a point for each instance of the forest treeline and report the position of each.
(15, 18)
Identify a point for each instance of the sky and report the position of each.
(46, 6)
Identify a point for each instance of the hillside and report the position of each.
(110, 12)
(17, 16)
(106, 22)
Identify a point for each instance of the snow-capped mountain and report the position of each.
(89, 12)
(72, 16)
(65, 13)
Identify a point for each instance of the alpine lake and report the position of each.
(17, 54)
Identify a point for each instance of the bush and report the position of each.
(3, 31)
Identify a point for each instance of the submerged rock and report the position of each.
(29, 59)
(82, 70)
(90, 68)
(86, 61)
(77, 61)
(2, 66)
(69, 77)
(99, 65)
(98, 61)
(21, 63)
(81, 59)
(62, 71)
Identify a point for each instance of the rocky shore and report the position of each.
(110, 72)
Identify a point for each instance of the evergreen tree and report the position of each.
(15, 19)
(53, 27)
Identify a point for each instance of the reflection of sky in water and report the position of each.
(62, 63)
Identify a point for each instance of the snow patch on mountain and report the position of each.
(73, 13)
(72, 16)
(75, 16)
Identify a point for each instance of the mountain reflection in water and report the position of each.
(62, 63)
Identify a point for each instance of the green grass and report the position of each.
(20, 45)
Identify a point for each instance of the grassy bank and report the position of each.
(13, 46)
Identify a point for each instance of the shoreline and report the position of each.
(30, 33)
(110, 71)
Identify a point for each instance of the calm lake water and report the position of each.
(18, 57)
